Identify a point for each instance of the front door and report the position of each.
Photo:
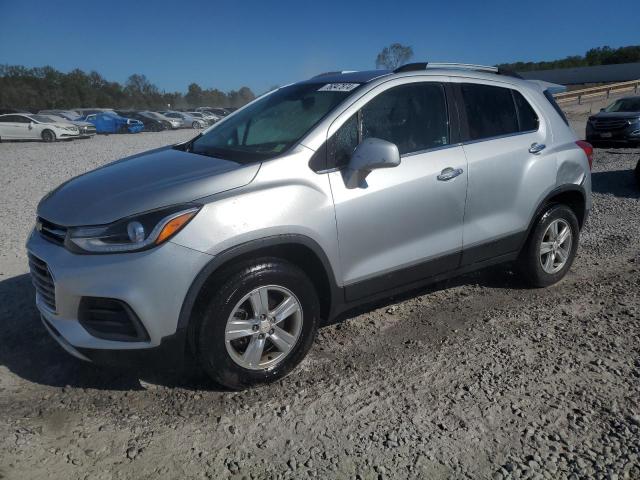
(406, 223)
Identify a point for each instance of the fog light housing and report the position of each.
(111, 319)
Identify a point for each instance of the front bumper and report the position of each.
(153, 283)
(629, 134)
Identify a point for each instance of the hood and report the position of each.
(65, 124)
(140, 183)
(628, 115)
(80, 123)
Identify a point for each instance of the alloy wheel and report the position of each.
(555, 248)
(263, 327)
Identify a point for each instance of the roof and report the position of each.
(348, 77)
(450, 69)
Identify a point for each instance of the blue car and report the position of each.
(109, 122)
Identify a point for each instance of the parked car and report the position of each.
(66, 114)
(219, 112)
(206, 117)
(110, 122)
(150, 124)
(316, 198)
(619, 123)
(89, 111)
(174, 122)
(35, 127)
(86, 129)
(188, 121)
(210, 117)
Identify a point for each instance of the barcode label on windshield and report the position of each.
(338, 87)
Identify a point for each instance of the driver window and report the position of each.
(412, 116)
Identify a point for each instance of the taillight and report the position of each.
(588, 151)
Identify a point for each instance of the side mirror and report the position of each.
(31, 124)
(602, 109)
(371, 154)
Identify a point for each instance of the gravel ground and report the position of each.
(477, 377)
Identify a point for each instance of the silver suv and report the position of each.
(315, 198)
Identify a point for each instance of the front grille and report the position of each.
(610, 123)
(50, 231)
(43, 281)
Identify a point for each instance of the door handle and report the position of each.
(449, 173)
(537, 147)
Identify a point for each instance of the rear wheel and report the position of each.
(48, 136)
(259, 324)
(552, 246)
(638, 173)
(195, 125)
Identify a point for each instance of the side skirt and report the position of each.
(405, 280)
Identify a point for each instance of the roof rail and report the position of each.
(337, 72)
(410, 67)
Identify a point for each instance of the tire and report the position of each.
(48, 136)
(638, 173)
(122, 129)
(195, 125)
(562, 253)
(222, 358)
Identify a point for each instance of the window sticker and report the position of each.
(338, 87)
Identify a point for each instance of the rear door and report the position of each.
(503, 137)
(406, 223)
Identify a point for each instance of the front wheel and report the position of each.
(552, 246)
(48, 136)
(259, 324)
(195, 125)
(638, 173)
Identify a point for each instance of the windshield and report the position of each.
(272, 124)
(43, 119)
(625, 105)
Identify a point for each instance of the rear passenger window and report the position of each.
(491, 111)
(413, 116)
(526, 115)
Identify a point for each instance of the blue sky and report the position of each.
(228, 44)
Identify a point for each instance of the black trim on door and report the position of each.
(495, 248)
(403, 276)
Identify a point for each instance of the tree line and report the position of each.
(596, 56)
(45, 88)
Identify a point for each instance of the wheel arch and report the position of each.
(574, 196)
(300, 250)
(48, 130)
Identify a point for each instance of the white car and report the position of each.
(188, 120)
(209, 117)
(175, 122)
(22, 126)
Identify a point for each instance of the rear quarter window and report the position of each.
(555, 106)
(527, 117)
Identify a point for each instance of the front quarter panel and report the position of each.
(285, 198)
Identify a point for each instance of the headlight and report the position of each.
(138, 232)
